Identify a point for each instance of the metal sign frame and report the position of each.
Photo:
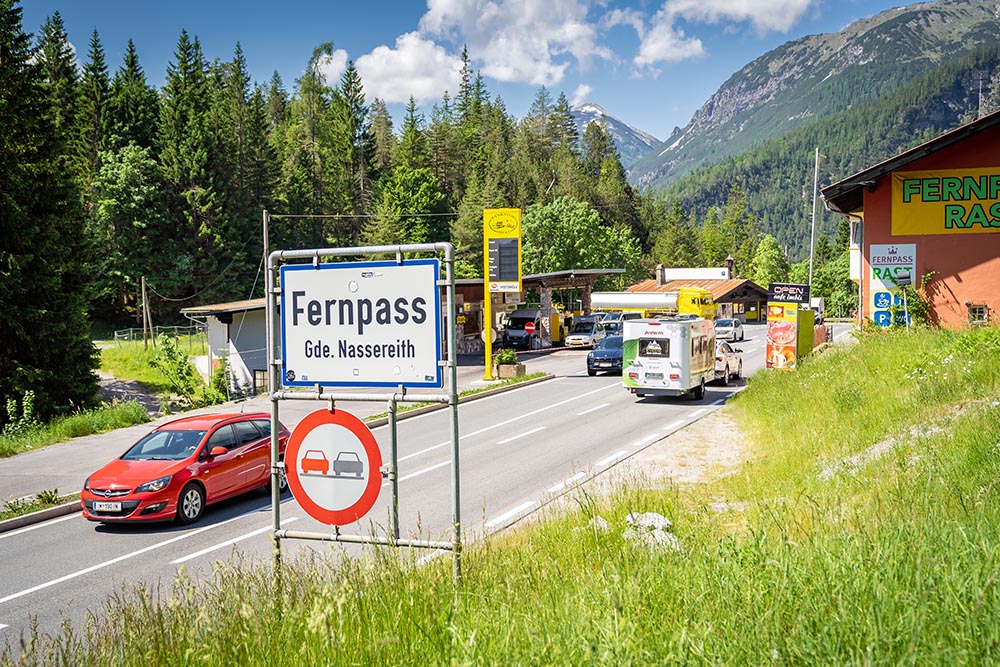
(389, 471)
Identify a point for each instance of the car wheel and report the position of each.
(725, 376)
(190, 504)
(591, 373)
(699, 391)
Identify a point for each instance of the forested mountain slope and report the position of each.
(817, 76)
(777, 176)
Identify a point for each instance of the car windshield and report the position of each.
(610, 343)
(165, 446)
(723, 323)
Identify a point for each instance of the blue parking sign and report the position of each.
(883, 318)
(883, 299)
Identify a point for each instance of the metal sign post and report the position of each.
(356, 324)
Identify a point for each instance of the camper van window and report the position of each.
(654, 347)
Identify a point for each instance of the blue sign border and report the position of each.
(439, 378)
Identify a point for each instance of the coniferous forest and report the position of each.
(107, 180)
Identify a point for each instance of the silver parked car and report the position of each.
(729, 329)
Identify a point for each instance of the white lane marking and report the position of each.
(509, 421)
(2, 626)
(51, 522)
(184, 559)
(521, 435)
(614, 457)
(697, 412)
(676, 424)
(645, 441)
(420, 472)
(721, 401)
(510, 514)
(602, 405)
(108, 563)
(569, 481)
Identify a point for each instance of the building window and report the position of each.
(978, 313)
(259, 381)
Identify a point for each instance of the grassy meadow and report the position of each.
(863, 530)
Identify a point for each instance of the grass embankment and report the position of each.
(130, 360)
(125, 360)
(99, 420)
(864, 530)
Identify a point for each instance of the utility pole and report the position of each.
(812, 234)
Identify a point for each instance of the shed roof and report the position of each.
(722, 290)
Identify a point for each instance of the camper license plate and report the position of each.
(101, 506)
(654, 376)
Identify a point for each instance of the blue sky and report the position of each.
(651, 63)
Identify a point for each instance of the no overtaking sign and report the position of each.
(374, 324)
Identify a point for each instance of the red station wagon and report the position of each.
(179, 468)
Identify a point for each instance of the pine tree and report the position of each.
(133, 105)
(44, 330)
(384, 140)
(59, 76)
(92, 116)
(185, 150)
(414, 149)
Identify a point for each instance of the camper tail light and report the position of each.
(675, 376)
(633, 375)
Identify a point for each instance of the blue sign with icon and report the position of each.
(883, 300)
(883, 318)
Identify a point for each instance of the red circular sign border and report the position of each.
(529, 327)
(372, 488)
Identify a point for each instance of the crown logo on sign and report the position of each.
(892, 250)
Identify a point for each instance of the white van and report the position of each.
(668, 356)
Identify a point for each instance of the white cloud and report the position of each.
(581, 94)
(522, 41)
(764, 15)
(332, 67)
(416, 66)
(665, 42)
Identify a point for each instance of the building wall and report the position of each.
(965, 264)
(244, 341)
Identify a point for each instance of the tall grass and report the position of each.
(864, 531)
(108, 417)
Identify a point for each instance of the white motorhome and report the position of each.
(668, 356)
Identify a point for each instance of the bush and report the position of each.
(505, 356)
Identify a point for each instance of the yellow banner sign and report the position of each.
(956, 201)
(502, 256)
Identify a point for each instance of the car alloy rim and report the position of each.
(192, 503)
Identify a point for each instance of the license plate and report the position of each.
(604, 364)
(654, 376)
(101, 506)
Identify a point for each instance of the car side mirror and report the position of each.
(737, 350)
(218, 450)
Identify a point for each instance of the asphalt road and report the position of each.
(519, 449)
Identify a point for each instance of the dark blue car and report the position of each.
(607, 356)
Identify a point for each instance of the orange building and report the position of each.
(933, 211)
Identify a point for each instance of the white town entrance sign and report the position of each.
(373, 324)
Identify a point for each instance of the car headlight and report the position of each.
(590, 356)
(86, 484)
(155, 485)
